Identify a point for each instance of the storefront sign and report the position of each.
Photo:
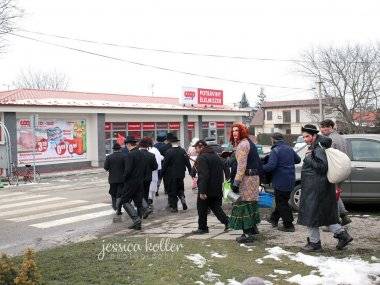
(107, 126)
(210, 97)
(174, 126)
(191, 125)
(204, 125)
(220, 125)
(134, 126)
(149, 126)
(162, 126)
(189, 96)
(56, 140)
(119, 126)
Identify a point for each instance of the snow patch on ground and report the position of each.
(259, 261)
(282, 272)
(199, 283)
(275, 253)
(246, 246)
(217, 255)
(332, 271)
(210, 276)
(374, 258)
(233, 282)
(197, 259)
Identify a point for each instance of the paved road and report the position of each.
(59, 211)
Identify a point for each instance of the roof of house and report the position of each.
(258, 119)
(290, 103)
(87, 99)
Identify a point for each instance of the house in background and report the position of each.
(287, 117)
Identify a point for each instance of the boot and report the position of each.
(114, 203)
(246, 239)
(272, 222)
(117, 218)
(255, 230)
(312, 246)
(289, 228)
(343, 240)
(150, 202)
(345, 219)
(146, 209)
(183, 201)
(134, 216)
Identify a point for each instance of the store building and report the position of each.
(76, 129)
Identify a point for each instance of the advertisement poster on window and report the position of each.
(56, 140)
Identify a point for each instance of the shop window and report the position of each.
(161, 133)
(221, 136)
(204, 133)
(107, 135)
(149, 134)
(116, 133)
(287, 116)
(297, 116)
(135, 134)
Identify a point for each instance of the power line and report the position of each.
(155, 66)
(163, 50)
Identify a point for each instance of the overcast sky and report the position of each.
(263, 29)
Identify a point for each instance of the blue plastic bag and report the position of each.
(265, 200)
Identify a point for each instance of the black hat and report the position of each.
(200, 143)
(161, 138)
(172, 139)
(310, 129)
(169, 136)
(116, 146)
(277, 136)
(130, 139)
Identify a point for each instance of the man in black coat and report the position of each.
(173, 170)
(115, 164)
(134, 174)
(161, 146)
(150, 166)
(210, 182)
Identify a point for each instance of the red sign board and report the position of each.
(149, 126)
(220, 125)
(191, 125)
(174, 126)
(107, 126)
(210, 97)
(162, 126)
(119, 126)
(134, 126)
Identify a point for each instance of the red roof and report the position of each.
(83, 99)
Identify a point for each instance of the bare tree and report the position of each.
(41, 80)
(8, 14)
(350, 79)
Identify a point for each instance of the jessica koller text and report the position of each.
(122, 249)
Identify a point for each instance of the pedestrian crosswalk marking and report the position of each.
(30, 202)
(74, 219)
(16, 199)
(58, 212)
(11, 194)
(42, 207)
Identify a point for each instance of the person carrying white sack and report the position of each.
(153, 184)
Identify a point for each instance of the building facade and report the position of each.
(75, 129)
(287, 117)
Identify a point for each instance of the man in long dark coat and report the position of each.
(150, 166)
(210, 184)
(318, 205)
(174, 167)
(134, 174)
(115, 165)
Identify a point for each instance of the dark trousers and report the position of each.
(282, 209)
(215, 204)
(176, 189)
(134, 191)
(146, 190)
(116, 190)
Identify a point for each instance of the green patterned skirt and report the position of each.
(245, 215)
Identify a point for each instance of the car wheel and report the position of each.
(295, 197)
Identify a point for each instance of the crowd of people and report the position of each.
(137, 171)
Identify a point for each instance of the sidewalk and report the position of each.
(88, 171)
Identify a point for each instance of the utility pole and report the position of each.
(320, 99)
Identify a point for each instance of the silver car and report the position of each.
(363, 185)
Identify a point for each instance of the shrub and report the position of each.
(8, 270)
(28, 274)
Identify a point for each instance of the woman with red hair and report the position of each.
(245, 180)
